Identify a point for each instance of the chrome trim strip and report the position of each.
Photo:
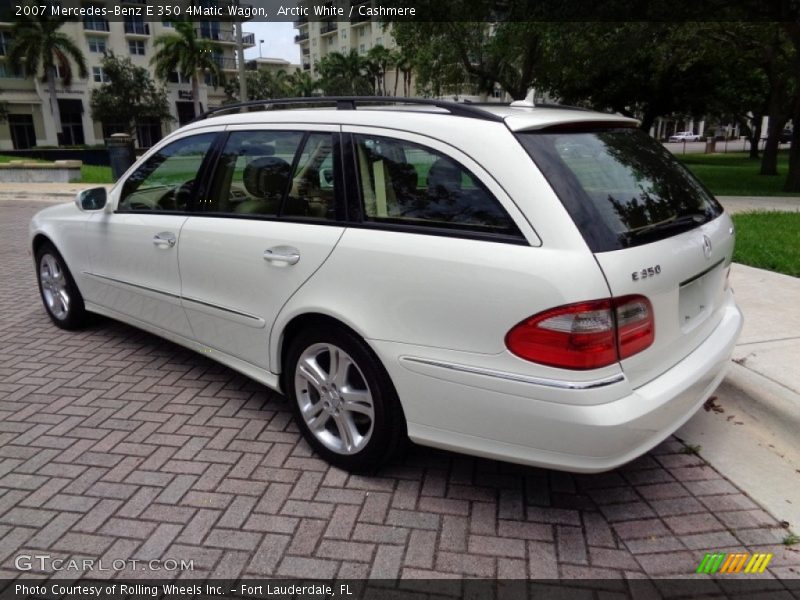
(224, 309)
(135, 285)
(178, 297)
(555, 383)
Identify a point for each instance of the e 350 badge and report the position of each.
(646, 272)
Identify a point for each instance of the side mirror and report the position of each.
(91, 199)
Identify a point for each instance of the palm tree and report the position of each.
(39, 46)
(184, 52)
(381, 59)
(403, 64)
(302, 84)
(344, 74)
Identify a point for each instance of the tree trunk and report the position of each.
(396, 79)
(793, 178)
(51, 90)
(196, 95)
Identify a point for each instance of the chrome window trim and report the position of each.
(554, 383)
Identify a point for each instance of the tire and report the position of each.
(343, 399)
(61, 298)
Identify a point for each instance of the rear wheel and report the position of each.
(343, 399)
(60, 296)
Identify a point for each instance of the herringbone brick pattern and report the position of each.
(115, 444)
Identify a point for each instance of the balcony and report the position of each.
(225, 36)
(328, 27)
(306, 66)
(136, 28)
(301, 37)
(226, 63)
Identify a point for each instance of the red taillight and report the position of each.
(585, 335)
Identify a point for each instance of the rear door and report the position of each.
(267, 223)
(655, 232)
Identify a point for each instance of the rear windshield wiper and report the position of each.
(685, 222)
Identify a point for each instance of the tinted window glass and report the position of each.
(404, 182)
(166, 180)
(260, 173)
(621, 187)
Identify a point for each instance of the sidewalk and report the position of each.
(749, 432)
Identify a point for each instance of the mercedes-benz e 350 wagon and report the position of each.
(536, 284)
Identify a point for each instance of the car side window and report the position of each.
(406, 183)
(274, 173)
(166, 180)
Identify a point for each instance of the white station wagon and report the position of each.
(537, 284)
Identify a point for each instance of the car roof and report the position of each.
(416, 112)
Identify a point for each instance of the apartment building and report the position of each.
(319, 38)
(30, 120)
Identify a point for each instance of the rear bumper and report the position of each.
(456, 410)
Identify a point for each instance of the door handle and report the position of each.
(282, 254)
(165, 239)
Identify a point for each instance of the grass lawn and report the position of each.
(734, 174)
(95, 174)
(769, 240)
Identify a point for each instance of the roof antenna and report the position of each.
(529, 100)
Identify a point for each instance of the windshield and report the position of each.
(621, 187)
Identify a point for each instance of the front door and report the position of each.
(267, 224)
(133, 251)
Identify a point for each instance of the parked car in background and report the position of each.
(684, 136)
(534, 284)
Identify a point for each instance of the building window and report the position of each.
(94, 23)
(5, 42)
(8, 72)
(99, 75)
(379, 42)
(96, 44)
(314, 42)
(136, 47)
(344, 34)
(176, 77)
(362, 32)
(169, 24)
(362, 49)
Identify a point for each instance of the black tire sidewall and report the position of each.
(76, 314)
(388, 424)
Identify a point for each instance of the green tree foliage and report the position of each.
(345, 75)
(186, 53)
(39, 47)
(467, 57)
(263, 84)
(130, 97)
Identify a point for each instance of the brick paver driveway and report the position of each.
(115, 444)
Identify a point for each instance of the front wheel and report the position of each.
(61, 298)
(343, 400)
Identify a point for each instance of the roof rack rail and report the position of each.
(350, 102)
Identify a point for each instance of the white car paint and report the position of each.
(435, 309)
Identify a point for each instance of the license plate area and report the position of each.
(699, 296)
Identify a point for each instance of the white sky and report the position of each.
(278, 41)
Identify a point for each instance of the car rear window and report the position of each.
(621, 187)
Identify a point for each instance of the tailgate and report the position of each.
(684, 277)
